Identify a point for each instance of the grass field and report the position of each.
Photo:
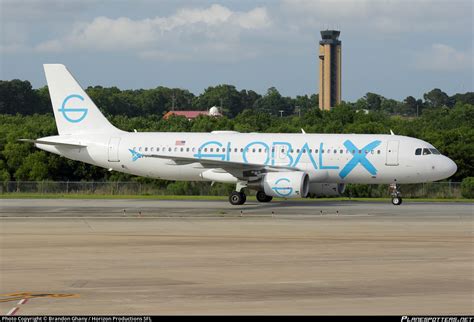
(185, 197)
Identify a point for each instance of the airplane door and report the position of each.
(114, 149)
(392, 153)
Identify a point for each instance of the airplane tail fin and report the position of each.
(74, 111)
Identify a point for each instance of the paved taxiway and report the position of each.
(206, 257)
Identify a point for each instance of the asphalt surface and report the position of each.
(208, 257)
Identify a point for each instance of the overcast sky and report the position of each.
(393, 48)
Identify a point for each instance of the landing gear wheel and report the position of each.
(397, 201)
(262, 197)
(396, 195)
(244, 198)
(237, 198)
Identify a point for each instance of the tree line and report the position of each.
(18, 97)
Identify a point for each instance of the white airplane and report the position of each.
(273, 164)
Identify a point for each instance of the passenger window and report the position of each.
(426, 151)
(253, 150)
(223, 149)
(241, 149)
(211, 149)
(169, 149)
(316, 150)
(418, 151)
(182, 149)
(235, 150)
(151, 149)
(187, 149)
(157, 149)
(341, 151)
(297, 150)
(140, 149)
(259, 150)
(378, 151)
(194, 149)
(217, 150)
(335, 151)
(205, 149)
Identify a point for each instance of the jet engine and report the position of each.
(294, 184)
(326, 189)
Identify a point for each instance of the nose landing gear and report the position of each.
(396, 194)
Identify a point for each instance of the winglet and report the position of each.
(302, 131)
(391, 132)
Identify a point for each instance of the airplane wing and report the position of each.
(232, 167)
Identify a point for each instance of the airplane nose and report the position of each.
(450, 167)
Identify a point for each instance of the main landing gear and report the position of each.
(238, 197)
(396, 194)
(262, 197)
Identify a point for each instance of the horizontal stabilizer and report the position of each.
(69, 145)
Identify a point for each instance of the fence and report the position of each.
(422, 190)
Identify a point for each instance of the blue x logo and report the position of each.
(135, 155)
(359, 156)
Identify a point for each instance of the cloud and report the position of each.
(375, 16)
(197, 30)
(441, 58)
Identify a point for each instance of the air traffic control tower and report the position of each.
(329, 69)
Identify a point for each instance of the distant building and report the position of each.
(213, 111)
(329, 69)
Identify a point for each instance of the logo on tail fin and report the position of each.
(73, 114)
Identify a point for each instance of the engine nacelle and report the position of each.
(293, 184)
(327, 189)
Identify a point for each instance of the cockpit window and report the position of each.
(418, 151)
(426, 151)
(434, 151)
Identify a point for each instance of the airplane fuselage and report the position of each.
(329, 158)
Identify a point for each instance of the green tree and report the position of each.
(437, 98)
(272, 102)
(225, 96)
